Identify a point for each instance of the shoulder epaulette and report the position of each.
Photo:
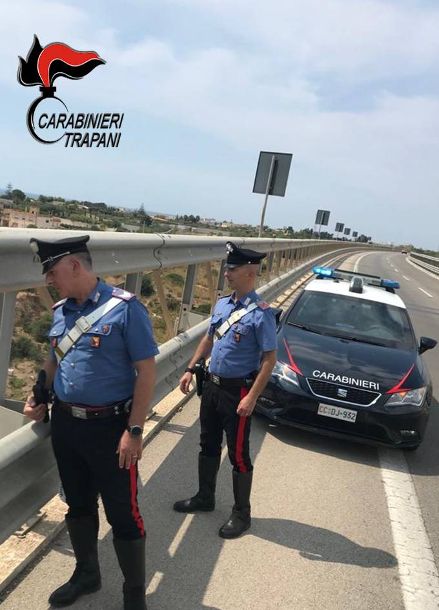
(262, 304)
(120, 293)
(55, 305)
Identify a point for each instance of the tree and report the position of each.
(18, 196)
(147, 288)
(8, 194)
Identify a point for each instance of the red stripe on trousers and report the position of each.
(240, 437)
(134, 506)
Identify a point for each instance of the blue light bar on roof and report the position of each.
(389, 284)
(323, 271)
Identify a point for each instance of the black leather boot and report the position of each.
(86, 578)
(239, 521)
(204, 500)
(131, 557)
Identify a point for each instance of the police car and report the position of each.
(349, 364)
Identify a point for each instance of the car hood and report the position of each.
(348, 362)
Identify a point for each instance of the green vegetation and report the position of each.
(203, 308)
(25, 347)
(16, 383)
(39, 328)
(147, 288)
(175, 279)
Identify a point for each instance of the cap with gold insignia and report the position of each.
(242, 256)
(48, 253)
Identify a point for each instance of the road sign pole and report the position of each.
(270, 175)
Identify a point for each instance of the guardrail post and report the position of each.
(45, 297)
(210, 287)
(133, 283)
(187, 298)
(278, 263)
(270, 259)
(157, 275)
(220, 283)
(7, 319)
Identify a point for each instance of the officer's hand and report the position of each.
(246, 406)
(185, 382)
(33, 411)
(129, 450)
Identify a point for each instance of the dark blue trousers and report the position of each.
(88, 465)
(218, 415)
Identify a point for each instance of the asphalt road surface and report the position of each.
(336, 525)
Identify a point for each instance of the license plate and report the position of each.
(337, 412)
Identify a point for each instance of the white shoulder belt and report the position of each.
(82, 325)
(235, 317)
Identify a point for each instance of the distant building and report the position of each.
(20, 219)
(49, 222)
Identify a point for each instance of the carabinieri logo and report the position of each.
(42, 67)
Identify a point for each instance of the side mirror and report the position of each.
(425, 343)
(278, 313)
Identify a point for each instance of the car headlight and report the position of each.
(284, 374)
(410, 397)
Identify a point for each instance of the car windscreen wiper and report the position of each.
(359, 340)
(304, 327)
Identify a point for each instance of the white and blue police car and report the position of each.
(349, 364)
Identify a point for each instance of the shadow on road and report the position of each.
(319, 544)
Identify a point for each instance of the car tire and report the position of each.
(413, 448)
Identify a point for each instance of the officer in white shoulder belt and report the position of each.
(102, 370)
(241, 341)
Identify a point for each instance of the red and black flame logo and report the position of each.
(44, 65)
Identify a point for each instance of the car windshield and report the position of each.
(353, 318)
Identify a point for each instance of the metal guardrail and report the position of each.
(431, 263)
(28, 472)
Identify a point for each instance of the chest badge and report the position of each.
(105, 329)
(54, 342)
(237, 337)
(95, 341)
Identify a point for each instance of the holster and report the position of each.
(41, 393)
(200, 375)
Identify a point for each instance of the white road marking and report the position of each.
(406, 278)
(425, 292)
(154, 582)
(180, 535)
(360, 258)
(397, 270)
(417, 569)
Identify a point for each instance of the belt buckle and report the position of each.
(79, 412)
(215, 379)
(83, 324)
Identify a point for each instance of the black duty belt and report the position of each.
(231, 382)
(94, 412)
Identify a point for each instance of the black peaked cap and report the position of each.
(242, 256)
(50, 252)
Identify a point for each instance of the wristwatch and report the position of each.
(189, 369)
(135, 430)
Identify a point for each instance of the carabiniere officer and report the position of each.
(102, 368)
(241, 341)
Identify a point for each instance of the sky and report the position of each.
(349, 87)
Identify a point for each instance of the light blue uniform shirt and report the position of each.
(98, 369)
(238, 353)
